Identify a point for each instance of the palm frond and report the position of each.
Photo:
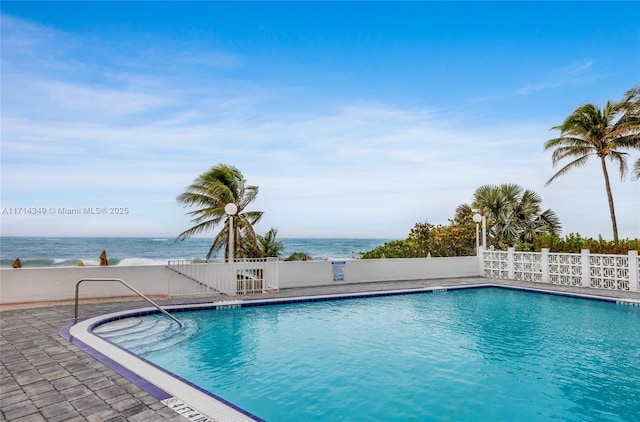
(564, 152)
(579, 162)
(198, 228)
(551, 221)
(621, 159)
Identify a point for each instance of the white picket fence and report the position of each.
(612, 272)
(240, 277)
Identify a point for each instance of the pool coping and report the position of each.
(195, 403)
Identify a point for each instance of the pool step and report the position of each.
(145, 335)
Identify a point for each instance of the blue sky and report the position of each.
(355, 119)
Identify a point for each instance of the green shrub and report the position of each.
(298, 256)
(574, 243)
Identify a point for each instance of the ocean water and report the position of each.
(68, 251)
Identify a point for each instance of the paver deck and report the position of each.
(43, 377)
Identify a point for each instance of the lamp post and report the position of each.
(477, 218)
(484, 232)
(231, 209)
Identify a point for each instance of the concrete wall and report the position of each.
(320, 273)
(53, 284)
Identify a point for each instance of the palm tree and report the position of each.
(212, 191)
(636, 170)
(604, 133)
(269, 246)
(513, 213)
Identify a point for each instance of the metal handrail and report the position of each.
(155, 305)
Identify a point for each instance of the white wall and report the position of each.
(411, 269)
(304, 274)
(320, 273)
(52, 284)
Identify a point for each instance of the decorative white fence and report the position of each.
(240, 277)
(613, 272)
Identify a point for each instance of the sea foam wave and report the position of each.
(141, 261)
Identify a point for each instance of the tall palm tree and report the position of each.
(605, 133)
(514, 214)
(212, 191)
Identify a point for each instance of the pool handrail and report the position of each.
(130, 287)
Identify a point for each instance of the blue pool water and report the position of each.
(477, 355)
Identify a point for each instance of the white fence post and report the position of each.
(481, 261)
(510, 263)
(544, 262)
(586, 267)
(633, 272)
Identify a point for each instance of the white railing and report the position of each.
(240, 277)
(612, 272)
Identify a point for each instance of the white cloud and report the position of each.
(573, 73)
(127, 135)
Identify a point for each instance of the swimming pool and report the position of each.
(478, 354)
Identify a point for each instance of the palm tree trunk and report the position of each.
(610, 197)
